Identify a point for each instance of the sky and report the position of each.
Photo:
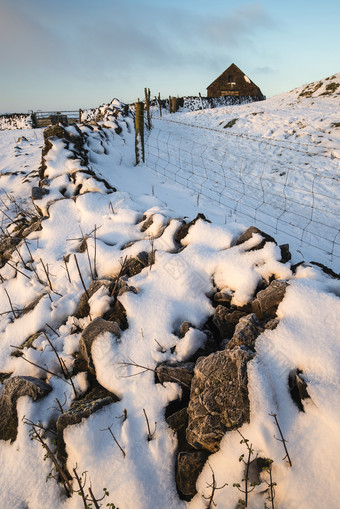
(70, 54)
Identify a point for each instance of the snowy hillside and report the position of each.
(144, 325)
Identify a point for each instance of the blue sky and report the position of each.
(71, 54)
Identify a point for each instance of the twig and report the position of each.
(282, 439)
(95, 252)
(44, 369)
(55, 332)
(59, 405)
(81, 278)
(31, 423)
(16, 268)
(47, 275)
(133, 363)
(68, 274)
(52, 457)
(81, 488)
(150, 435)
(123, 263)
(84, 239)
(62, 364)
(114, 438)
(93, 498)
(213, 487)
(10, 302)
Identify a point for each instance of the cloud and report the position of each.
(83, 43)
(265, 70)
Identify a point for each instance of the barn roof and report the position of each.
(237, 75)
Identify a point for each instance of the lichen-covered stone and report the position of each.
(14, 389)
(268, 300)
(90, 334)
(218, 398)
(225, 320)
(178, 372)
(246, 332)
(189, 466)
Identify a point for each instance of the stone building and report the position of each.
(233, 82)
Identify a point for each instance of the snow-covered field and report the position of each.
(82, 219)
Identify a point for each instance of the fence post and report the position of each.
(139, 132)
(174, 104)
(160, 104)
(80, 112)
(170, 104)
(34, 120)
(147, 104)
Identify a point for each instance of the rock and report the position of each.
(83, 306)
(246, 332)
(189, 466)
(184, 229)
(271, 324)
(13, 390)
(268, 300)
(285, 253)
(94, 400)
(184, 328)
(248, 235)
(147, 223)
(298, 388)
(178, 420)
(223, 296)
(139, 262)
(37, 193)
(56, 131)
(29, 307)
(218, 398)
(28, 343)
(179, 372)
(226, 320)
(4, 376)
(117, 314)
(90, 334)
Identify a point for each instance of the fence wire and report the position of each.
(295, 200)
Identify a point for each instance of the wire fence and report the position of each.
(297, 200)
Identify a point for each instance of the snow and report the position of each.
(176, 288)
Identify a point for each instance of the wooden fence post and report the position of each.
(160, 104)
(147, 104)
(174, 104)
(170, 104)
(80, 112)
(139, 132)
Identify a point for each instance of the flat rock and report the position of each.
(267, 301)
(37, 193)
(14, 389)
(218, 398)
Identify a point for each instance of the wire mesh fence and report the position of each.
(297, 200)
